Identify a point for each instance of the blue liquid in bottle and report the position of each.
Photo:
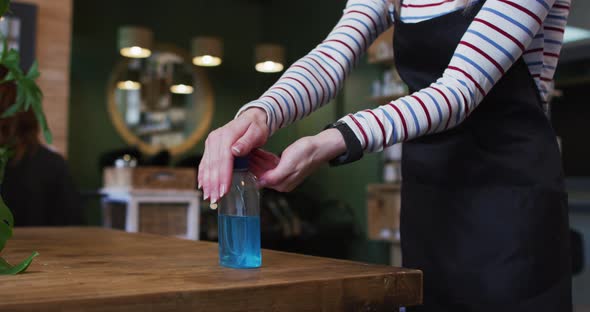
(239, 241)
(239, 221)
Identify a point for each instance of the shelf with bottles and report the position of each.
(389, 88)
(381, 51)
(392, 164)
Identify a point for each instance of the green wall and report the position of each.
(94, 54)
(241, 24)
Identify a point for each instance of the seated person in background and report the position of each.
(37, 186)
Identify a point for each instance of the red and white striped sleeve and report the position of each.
(499, 34)
(542, 55)
(316, 78)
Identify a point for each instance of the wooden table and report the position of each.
(94, 269)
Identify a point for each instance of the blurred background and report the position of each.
(132, 88)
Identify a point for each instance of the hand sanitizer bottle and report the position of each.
(239, 221)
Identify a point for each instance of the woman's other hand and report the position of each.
(237, 138)
(297, 162)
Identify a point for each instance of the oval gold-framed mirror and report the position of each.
(163, 102)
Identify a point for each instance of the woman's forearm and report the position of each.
(316, 78)
(498, 36)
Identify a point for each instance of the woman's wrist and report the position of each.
(328, 145)
(255, 114)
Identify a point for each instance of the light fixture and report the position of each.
(129, 80)
(135, 42)
(128, 85)
(182, 80)
(269, 58)
(181, 89)
(207, 51)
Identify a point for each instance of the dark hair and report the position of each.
(21, 131)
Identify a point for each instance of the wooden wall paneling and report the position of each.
(54, 29)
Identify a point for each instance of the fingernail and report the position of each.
(262, 182)
(214, 197)
(236, 149)
(199, 187)
(206, 196)
(222, 192)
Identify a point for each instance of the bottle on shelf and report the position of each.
(392, 170)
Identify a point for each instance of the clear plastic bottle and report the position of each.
(239, 221)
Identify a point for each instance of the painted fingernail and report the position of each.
(235, 149)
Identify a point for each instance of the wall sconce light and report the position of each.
(207, 51)
(135, 42)
(130, 79)
(181, 89)
(269, 58)
(182, 80)
(128, 85)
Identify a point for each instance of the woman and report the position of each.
(483, 204)
(37, 186)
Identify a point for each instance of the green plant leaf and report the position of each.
(28, 93)
(33, 71)
(4, 46)
(47, 135)
(19, 104)
(4, 5)
(5, 155)
(38, 110)
(4, 265)
(24, 87)
(12, 60)
(19, 268)
(28, 96)
(11, 111)
(10, 76)
(6, 223)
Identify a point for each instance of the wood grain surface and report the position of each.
(94, 269)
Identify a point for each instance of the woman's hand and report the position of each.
(297, 162)
(237, 138)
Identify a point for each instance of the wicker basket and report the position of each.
(161, 178)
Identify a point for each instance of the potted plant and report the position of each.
(20, 93)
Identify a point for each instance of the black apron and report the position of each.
(484, 212)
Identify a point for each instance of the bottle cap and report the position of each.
(241, 163)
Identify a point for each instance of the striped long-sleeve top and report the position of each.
(501, 32)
